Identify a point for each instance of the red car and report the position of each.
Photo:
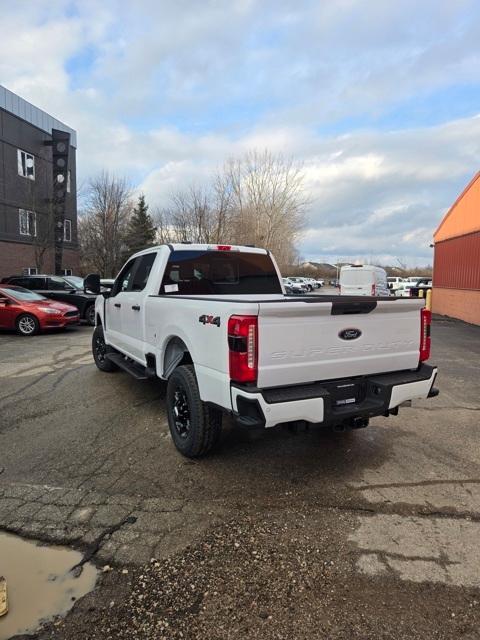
(29, 312)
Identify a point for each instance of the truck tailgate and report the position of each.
(302, 340)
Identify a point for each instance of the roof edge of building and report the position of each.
(39, 118)
(454, 205)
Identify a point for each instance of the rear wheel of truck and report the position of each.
(195, 427)
(100, 350)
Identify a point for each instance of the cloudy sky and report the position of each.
(379, 99)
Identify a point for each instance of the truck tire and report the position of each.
(195, 427)
(100, 350)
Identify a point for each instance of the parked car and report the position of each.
(293, 287)
(312, 282)
(422, 284)
(213, 322)
(400, 289)
(63, 288)
(411, 289)
(302, 281)
(395, 283)
(363, 280)
(29, 312)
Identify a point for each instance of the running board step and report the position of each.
(130, 366)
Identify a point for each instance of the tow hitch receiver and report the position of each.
(358, 422)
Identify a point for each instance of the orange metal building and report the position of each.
(456, 266)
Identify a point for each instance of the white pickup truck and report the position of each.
(215, 322)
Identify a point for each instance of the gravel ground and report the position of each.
(272, 576)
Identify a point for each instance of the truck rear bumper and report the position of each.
(334, 402)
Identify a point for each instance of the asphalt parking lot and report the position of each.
(371, 534)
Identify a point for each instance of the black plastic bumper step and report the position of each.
(133, 368)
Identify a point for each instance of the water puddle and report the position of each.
(40, 584)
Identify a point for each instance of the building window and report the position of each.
(66, 272)
(67, 230)
(27, 222)
(30, 271)
(68, 181)
(26, 164)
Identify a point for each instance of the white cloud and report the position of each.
(164, 92)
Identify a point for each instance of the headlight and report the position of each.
(54, 312)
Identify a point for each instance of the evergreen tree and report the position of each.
(141, 231)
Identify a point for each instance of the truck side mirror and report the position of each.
(92, 283)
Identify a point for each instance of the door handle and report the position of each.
(117, 304)
(136, 307)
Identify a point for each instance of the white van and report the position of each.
(363, 280)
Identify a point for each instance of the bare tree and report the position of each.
(268, 201)
(102, 225)
(255, 199)
(165, 233)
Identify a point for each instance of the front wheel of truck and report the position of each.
(195, 427)
(100, 350)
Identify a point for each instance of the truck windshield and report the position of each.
(219, 273)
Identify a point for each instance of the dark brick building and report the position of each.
(38, 202)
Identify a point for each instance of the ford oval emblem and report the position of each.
(349, 334)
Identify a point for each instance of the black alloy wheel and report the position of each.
(100, 350)
(181, 412)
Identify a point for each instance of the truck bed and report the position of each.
(300, 337)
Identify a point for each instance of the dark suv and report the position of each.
(61, 288)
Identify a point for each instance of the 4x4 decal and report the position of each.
(210, 320)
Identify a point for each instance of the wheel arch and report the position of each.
(27, 313)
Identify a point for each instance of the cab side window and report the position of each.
(58, 284)
(124, 278)
(143, 271)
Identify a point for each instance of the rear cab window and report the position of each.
(194, 272)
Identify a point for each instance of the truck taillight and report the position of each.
(224, 247)
(426, 320)
(243, 348)
(373, 289)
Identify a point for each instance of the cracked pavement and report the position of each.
(86, 460)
